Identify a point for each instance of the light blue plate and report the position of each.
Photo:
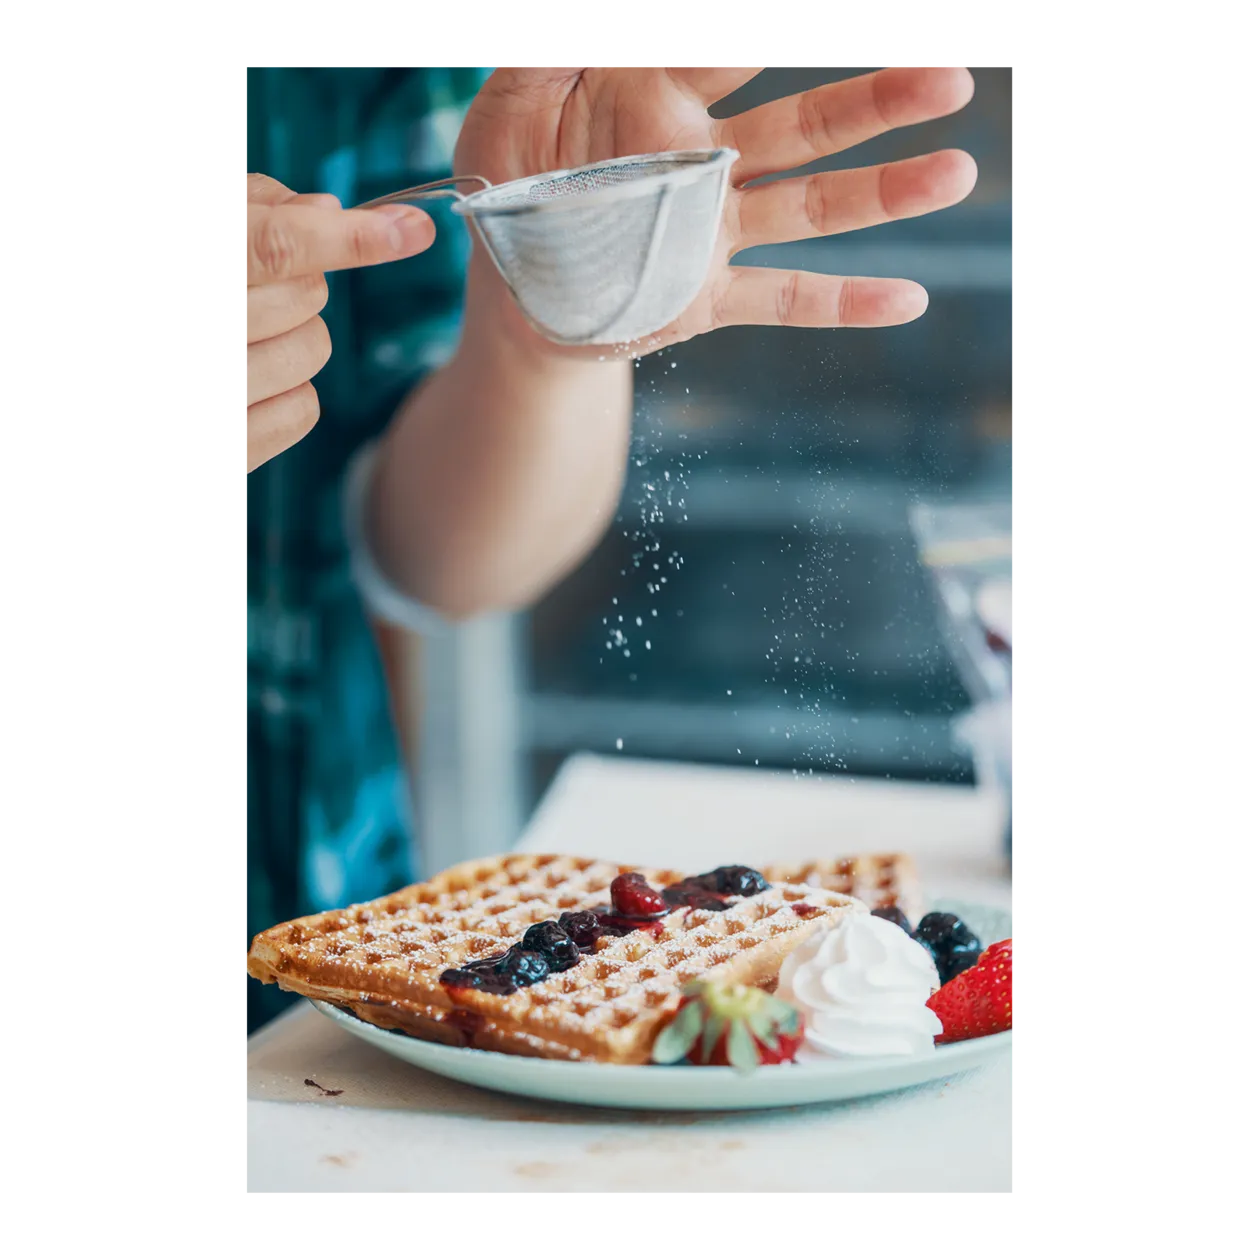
(696, 1089)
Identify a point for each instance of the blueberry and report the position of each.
(582, 926)
(692, 893)
(553, 943)
(935, 927)
(522, 966)
(735, 881)
(464, 978)
(706, 901)
(458, 978)
(947, 967)
(894, 915)
(953, 945)
(542, 936)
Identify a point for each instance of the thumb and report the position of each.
(298, 240)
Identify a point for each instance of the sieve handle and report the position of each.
(424, 192)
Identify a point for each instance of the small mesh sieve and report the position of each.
(601, 254)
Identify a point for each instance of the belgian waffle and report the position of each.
(879, 879)
(382, 960)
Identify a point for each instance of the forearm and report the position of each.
(502, 470)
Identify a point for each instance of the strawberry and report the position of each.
(729, 1025)
(976, 1002)
(633, 897)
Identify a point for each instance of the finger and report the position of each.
(287, 304)
(277, 423)
(797, 129)
(284, 362)
(711, 85)
(288, 240)
(265, 191)
(315, 199)
(841, 201)
(803, 299)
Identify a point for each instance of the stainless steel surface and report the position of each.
(424, 192)
(602, 254)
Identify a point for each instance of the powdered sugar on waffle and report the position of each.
(383, 959)
(879, 879)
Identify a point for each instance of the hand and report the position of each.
(523, 122)
(293, 240)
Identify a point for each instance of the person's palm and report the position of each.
(524, 122)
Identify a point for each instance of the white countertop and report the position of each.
(395, 1127)
(696, 817)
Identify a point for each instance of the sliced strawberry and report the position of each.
(976, 1002)
(729, 1026)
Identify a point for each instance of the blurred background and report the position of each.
(761, 600)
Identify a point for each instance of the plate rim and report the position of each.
(823, 1068)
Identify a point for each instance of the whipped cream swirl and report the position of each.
(860, 987)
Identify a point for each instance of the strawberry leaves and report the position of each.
(772, 1018)
(740, 1049)
(676, 1039)
(731, 1025)
(712, 1032)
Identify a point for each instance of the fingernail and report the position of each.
(410, 228)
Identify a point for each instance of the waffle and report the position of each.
(382, 960)
(879, 879)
